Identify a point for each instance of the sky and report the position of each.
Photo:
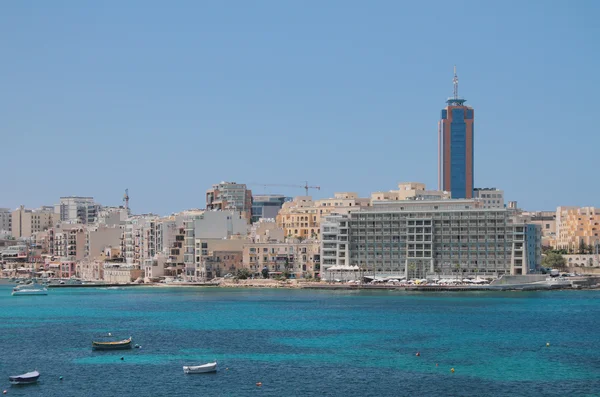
(167, 98)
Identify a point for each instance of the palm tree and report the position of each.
(411, 269)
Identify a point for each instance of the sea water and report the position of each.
(303, 342)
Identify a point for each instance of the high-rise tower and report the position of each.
(455, 146)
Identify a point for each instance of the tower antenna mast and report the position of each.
(455, 81)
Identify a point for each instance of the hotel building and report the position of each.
(417, 239)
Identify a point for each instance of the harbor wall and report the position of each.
(521, 279)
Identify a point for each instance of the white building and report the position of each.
(335, 248)
(75, 209)
(491, 197)
(417, 239)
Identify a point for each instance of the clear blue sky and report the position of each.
(167, 98)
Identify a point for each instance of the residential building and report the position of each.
(420, 238)
(219, 264)
(204, 230)
(409, 191)
(577, 226)
(491, 197)
(455, 147)
(139, 238)
(121, 273)
(267, 206)
(75, 209)
(547, 221)
(302, 216)
(230, 196)
(301, 259)
(266, 230)
(101, 237)
(26, 222)
(68, 242)
(5, 221)
(113, 216)
(217, 257)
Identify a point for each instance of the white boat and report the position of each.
(29, 377)
(200, 369)
(29, 289)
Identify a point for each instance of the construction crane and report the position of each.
(126, 199)
(305, 186)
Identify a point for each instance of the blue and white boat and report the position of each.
(24, 379)
(29, 289)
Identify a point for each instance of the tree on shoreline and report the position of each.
(553, 260)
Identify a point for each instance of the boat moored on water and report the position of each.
(113, 345)
(29, 289)
(200, 369)
(24, 379)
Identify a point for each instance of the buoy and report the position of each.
(60, 378)
(547, 344)
(259, 384)
(418, 354)
(452, 370)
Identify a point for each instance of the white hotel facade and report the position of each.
(416, 239)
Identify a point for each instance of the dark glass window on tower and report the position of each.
(458, 130)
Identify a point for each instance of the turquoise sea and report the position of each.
(303, 343)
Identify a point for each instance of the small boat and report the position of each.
(113, 345)
(200, 369)
(29, 289)
(29, 377)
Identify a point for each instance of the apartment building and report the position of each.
(217, 257)
(302, 259)
(576, 226)
(409, 191)
(26, 222)
(547, 221)
(219, 264)
(139, 238)
(210, 231)
(77, 209)
(230, 196)
(417, 239)
(491, 197)
(5, 222)
(68, 242)
(100, 237)
(302, 216)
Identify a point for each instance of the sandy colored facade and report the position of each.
(409, 191)
(216, 257)
(303, 259)
(576, 225)
(547, 221)
(26, 222)
(302, 216)
(121, 273)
